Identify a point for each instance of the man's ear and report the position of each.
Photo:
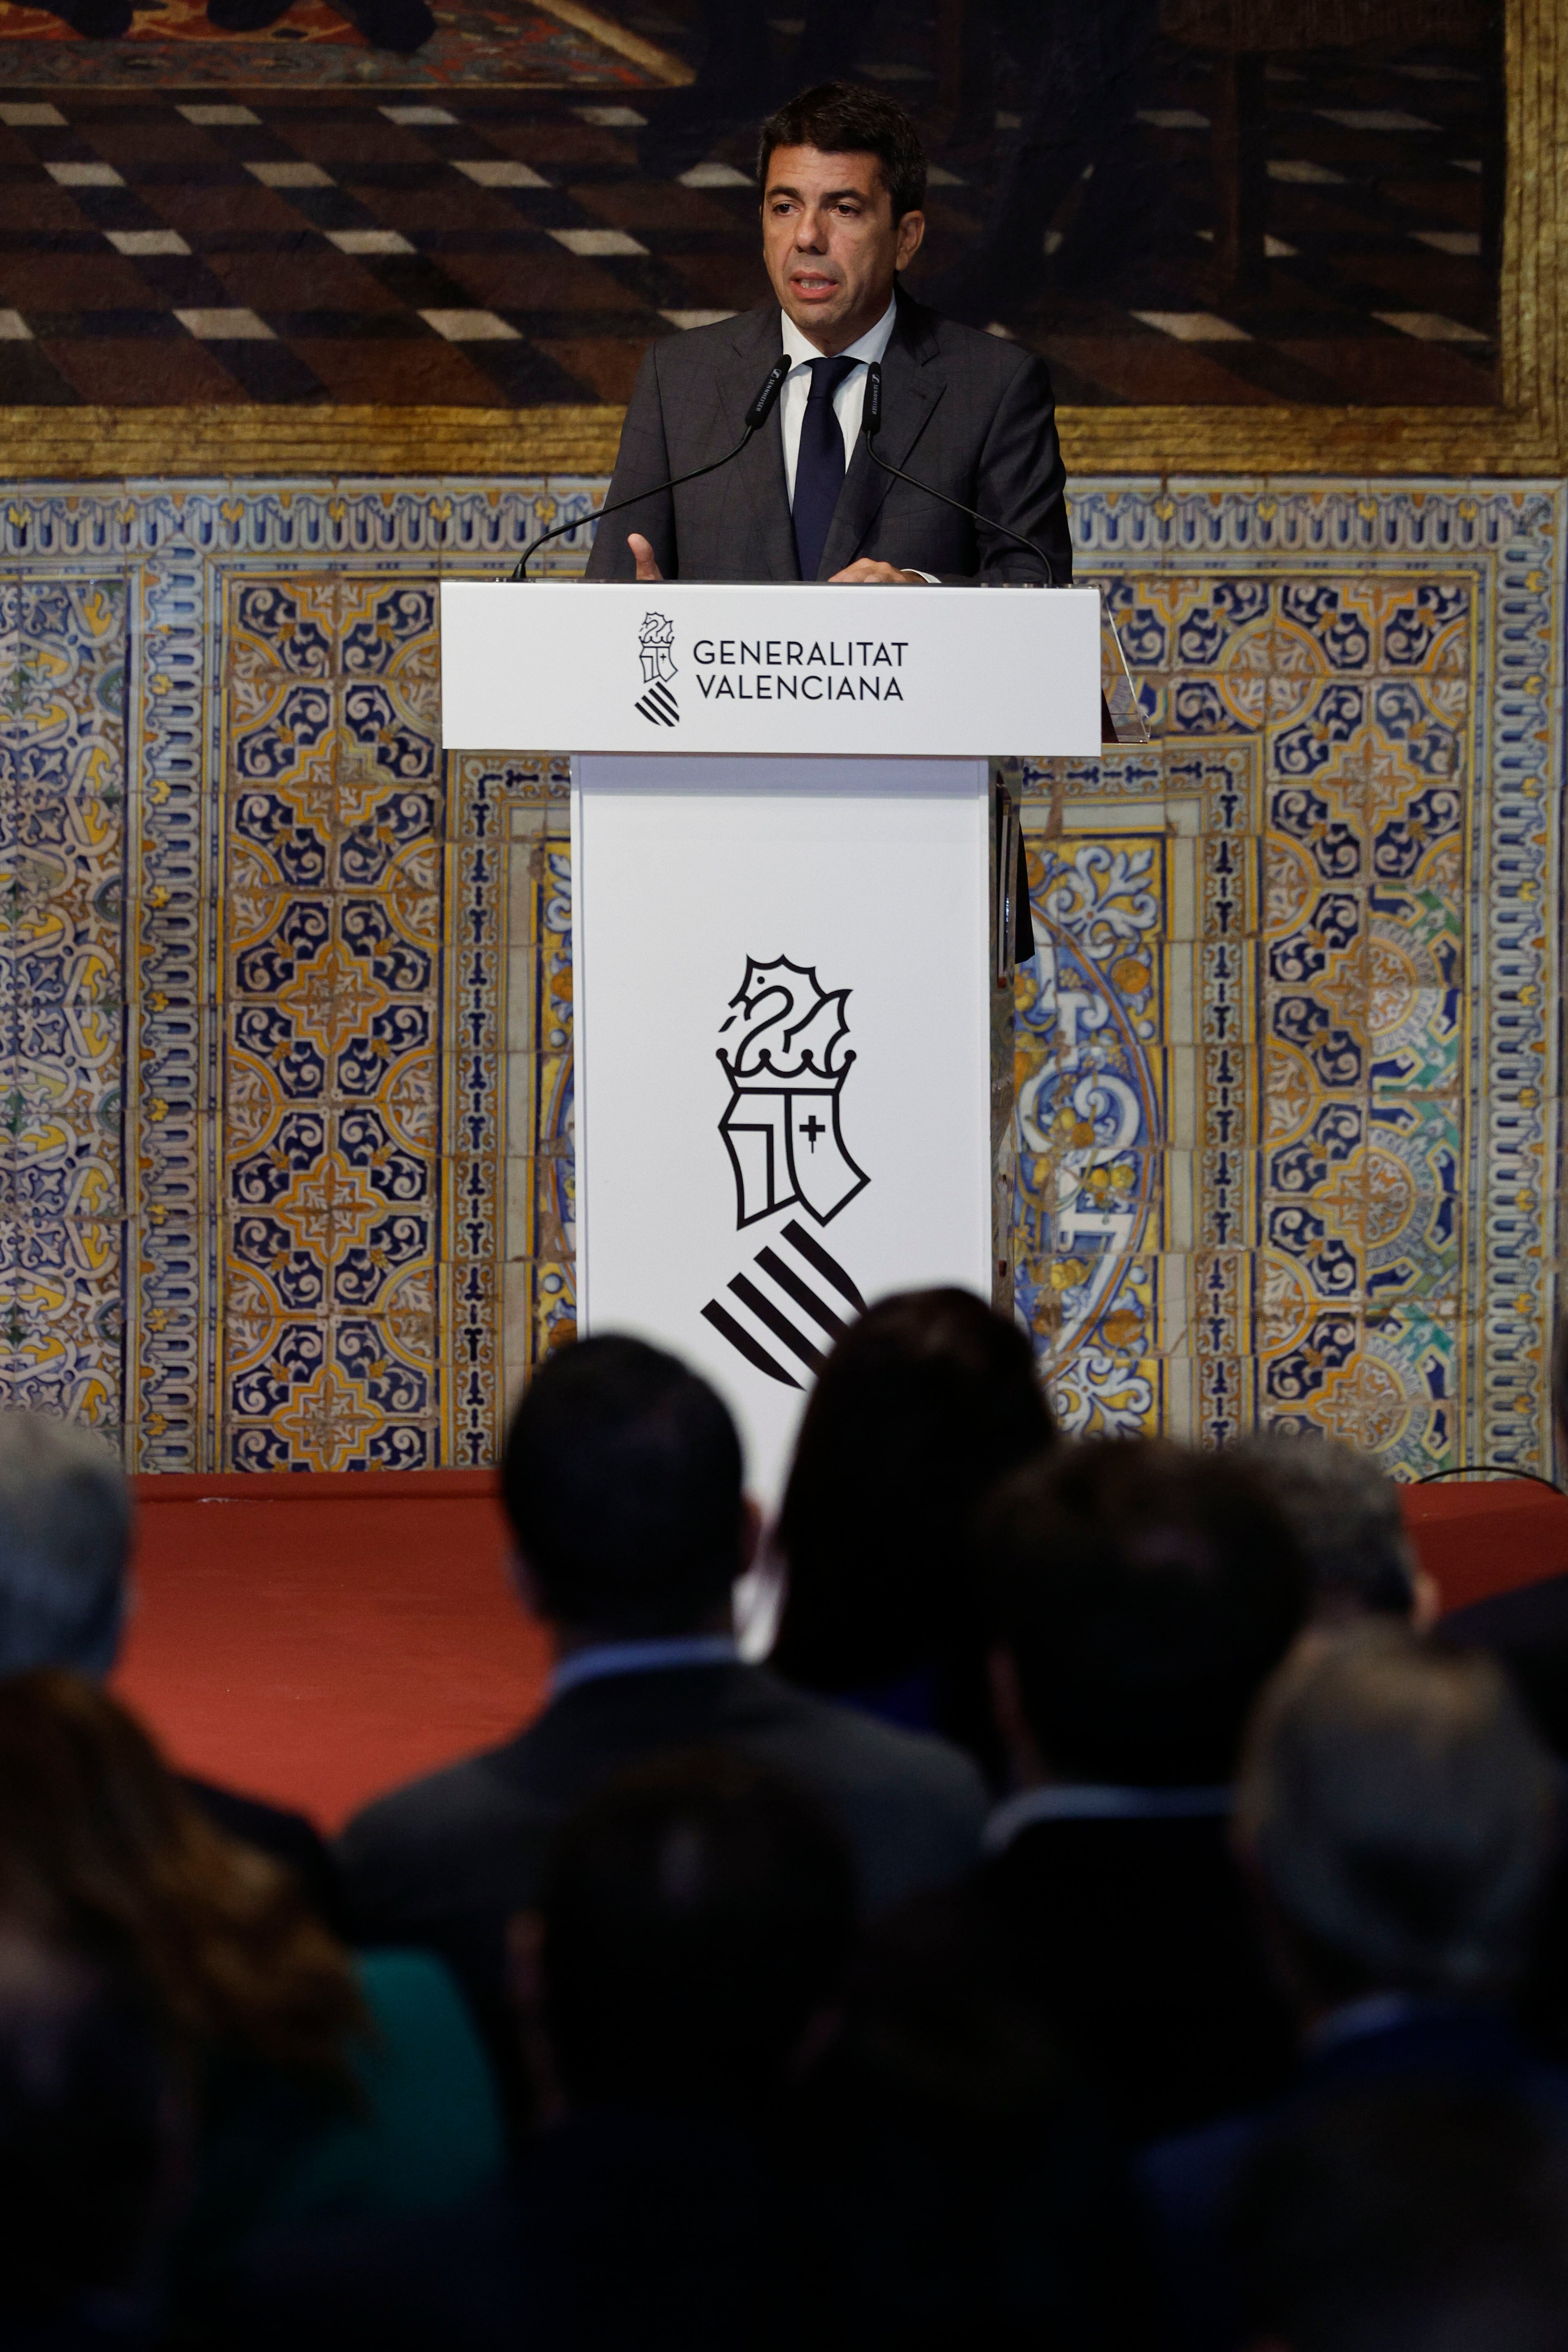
(525, 1584)
(1007, 1705)
(524, 1962)
(525, 1995)
(751, 1531)
(912, 236)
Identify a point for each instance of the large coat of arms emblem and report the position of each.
(786, 1068)
(786, 1063)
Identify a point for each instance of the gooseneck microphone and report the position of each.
(757, 415)
(871, 425)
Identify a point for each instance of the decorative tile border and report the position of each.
(62, 874)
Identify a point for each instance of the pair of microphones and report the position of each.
(757, 415)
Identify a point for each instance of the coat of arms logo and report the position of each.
(786, 1064)
(656, 640)
(786, 1069)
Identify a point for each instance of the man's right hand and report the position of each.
(642, 556)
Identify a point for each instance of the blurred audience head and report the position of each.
(65, 1528)
(93, 2139)
(1142, 1594)
(921, 1406)
(622, 1479)
(1343, 1511)
(1411, 2219)
(103, 1851)
(697, 1919)
(1399, 1812)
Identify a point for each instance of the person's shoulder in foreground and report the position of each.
(622, 1477)
(474, 1833)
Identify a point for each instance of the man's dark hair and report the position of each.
(1145, 1592)
(839, 118)
(921, 1406)
(698, 1914)
(1407, 2220)
(1343, 1510)
(622, 1479)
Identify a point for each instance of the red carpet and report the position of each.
(318, 1639)
(1487, 1534)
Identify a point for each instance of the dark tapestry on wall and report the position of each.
(1218, 203)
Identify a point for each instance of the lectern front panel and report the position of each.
(782, 977)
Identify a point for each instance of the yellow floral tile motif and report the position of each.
(334, 808)
(62, 862)
(1311, 1190)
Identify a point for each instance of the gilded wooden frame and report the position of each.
(1526, 433)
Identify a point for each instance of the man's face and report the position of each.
(831, 244)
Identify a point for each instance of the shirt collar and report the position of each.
(872, 344)
(1373, 2012)
(1080, 1801)
(602, 1659)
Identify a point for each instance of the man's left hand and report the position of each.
(868, 574)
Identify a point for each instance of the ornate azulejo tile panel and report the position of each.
(334, 825)
(1377, 966)
(62, 868)
(1287, 1062)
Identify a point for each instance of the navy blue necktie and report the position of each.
(819, 463)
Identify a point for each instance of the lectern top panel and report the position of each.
(797, 667)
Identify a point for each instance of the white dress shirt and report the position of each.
(848, 401)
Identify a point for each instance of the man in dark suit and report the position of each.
(622, 1477)
(1397, 1813)
(65, 1536)
(842, 179)
(1143, 1594)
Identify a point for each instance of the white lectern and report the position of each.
(791, 905)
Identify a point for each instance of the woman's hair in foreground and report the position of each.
(697, 1915)
(103, 1853)
(922, 1405)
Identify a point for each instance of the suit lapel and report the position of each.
(913, 381)
(759, 469)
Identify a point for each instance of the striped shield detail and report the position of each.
(660, 706)
(796, 1312)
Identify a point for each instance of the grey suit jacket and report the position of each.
(968, 413)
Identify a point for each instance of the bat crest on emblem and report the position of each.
(655, 643)
(786, 1062)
